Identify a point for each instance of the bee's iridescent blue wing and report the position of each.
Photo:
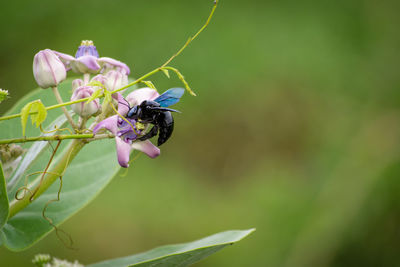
(170, 97)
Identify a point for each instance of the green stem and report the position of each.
(86, 78)
(137, 81)
(82, 123)
(50, 178)
(54, 138)
(194, 37)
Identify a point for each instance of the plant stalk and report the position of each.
(55, 138)
(64, 109)
(49, 179)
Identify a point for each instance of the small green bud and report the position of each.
(3, 95)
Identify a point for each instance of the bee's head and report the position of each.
(133, 113)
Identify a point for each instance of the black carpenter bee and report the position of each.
(156, 112)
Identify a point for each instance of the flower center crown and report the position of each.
(86, 48)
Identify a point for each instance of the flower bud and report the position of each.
(84, 109)
(48, 69)
(76, 83)
(115, 80)
(99, 78)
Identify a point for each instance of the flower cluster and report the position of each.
(45, 260)
(50, 69)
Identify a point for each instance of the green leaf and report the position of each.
(87, 175)
(24, 116)
(92, 169)
(166, 72)
(41, 113)
(39, 117)
(182, 78)
(4, 209)
(149, 84)
(181, 254)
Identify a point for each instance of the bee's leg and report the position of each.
(150, 134)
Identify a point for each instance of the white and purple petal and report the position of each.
(138, 96)
(76, 84)
(123, 152)
(85, 64)
(65, 59)
(123, 104)
(146, 147)
(111, 124)
(109, 64)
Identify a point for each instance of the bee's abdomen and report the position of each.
(166, 123)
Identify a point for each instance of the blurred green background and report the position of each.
(295, 130)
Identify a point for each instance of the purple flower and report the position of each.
(125, 136)
(87, 60)
(48, 70)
